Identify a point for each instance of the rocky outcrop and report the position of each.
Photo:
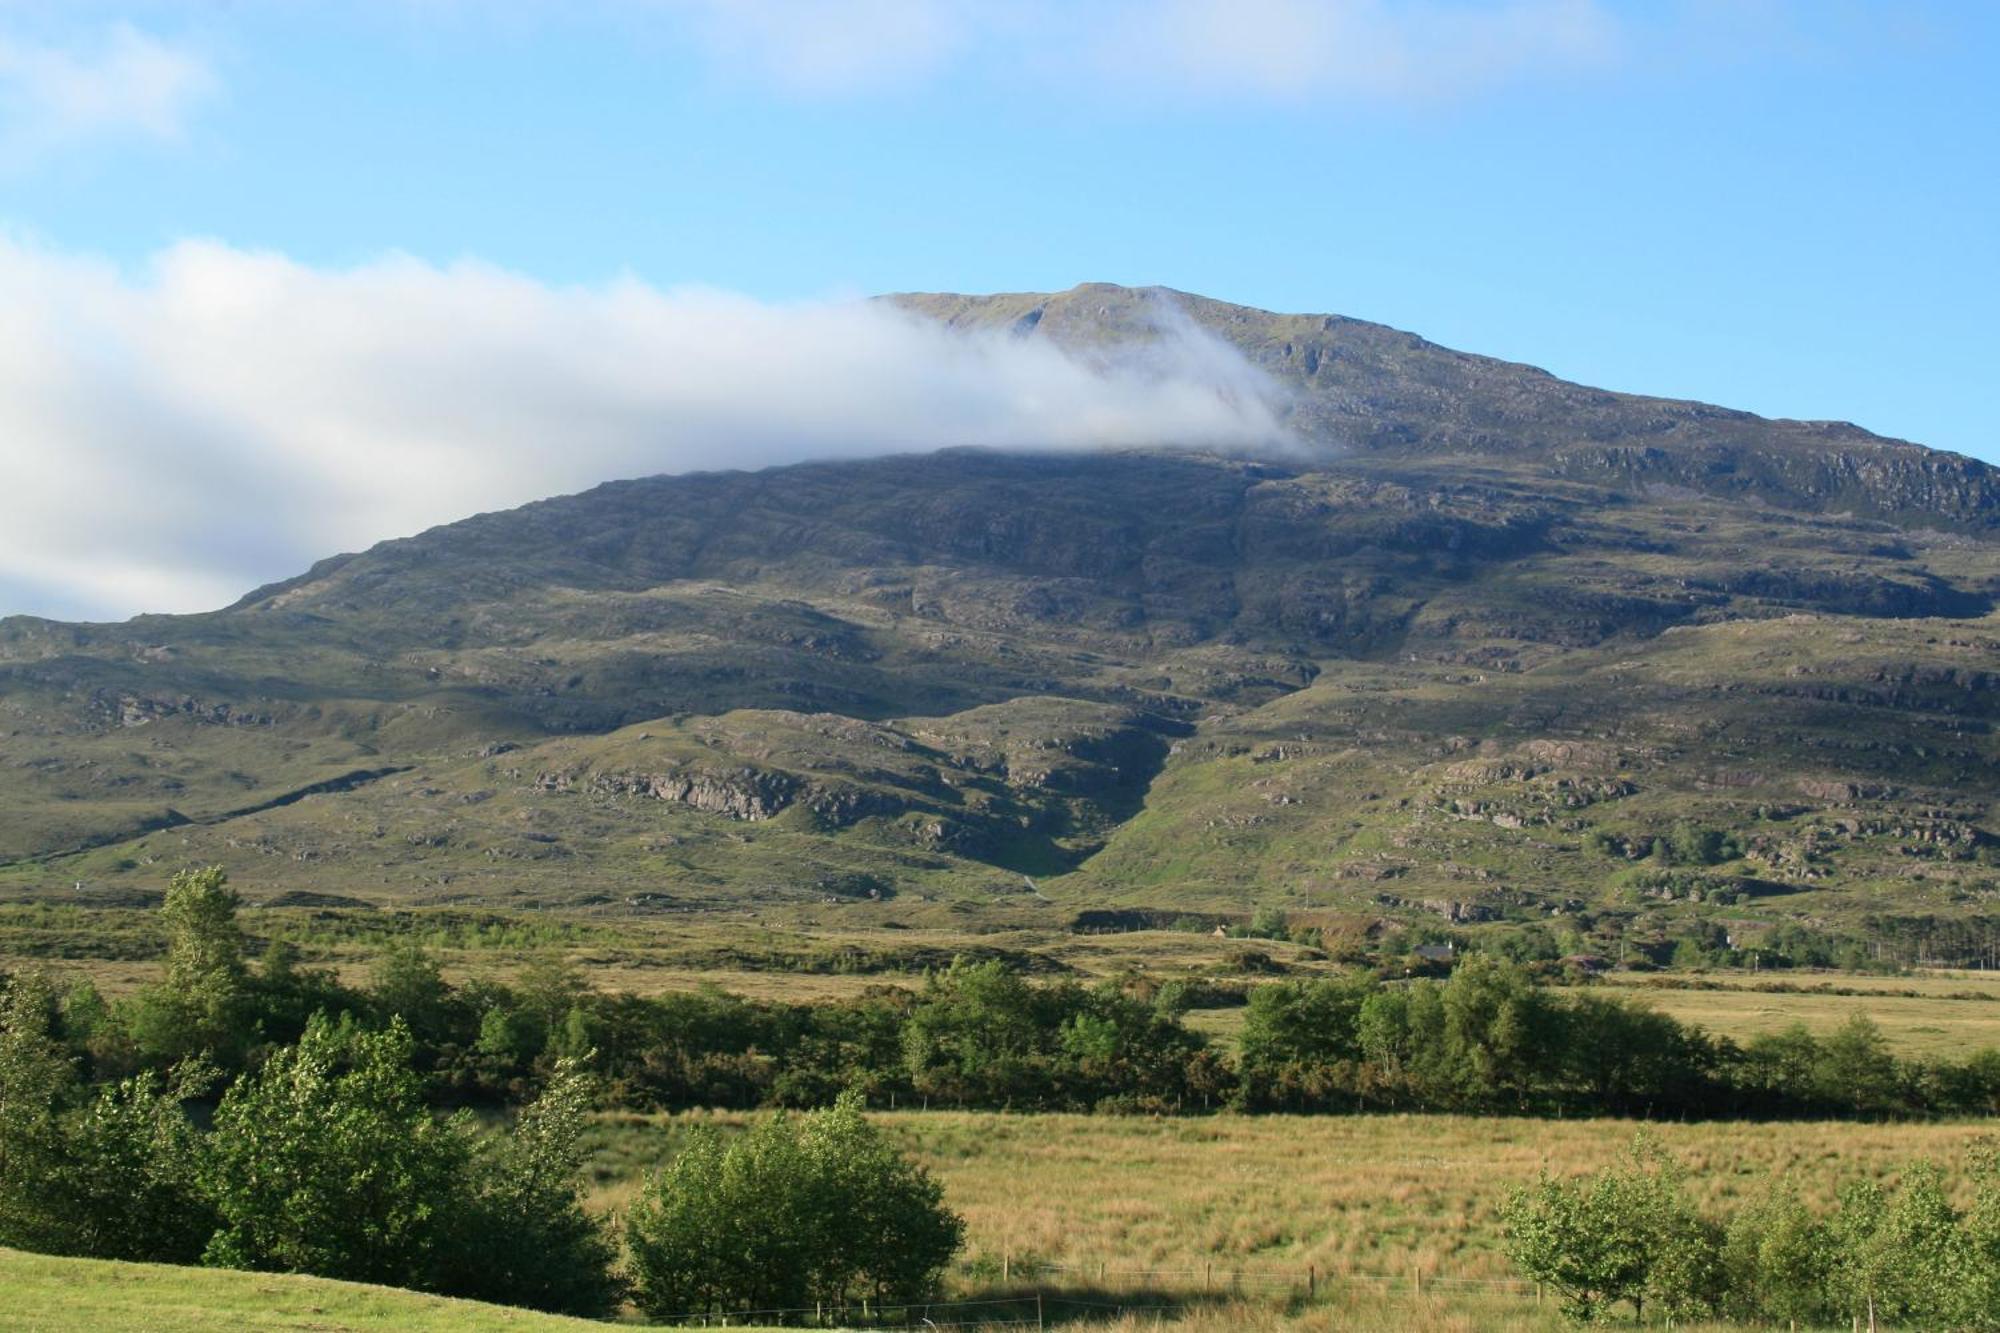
(746, 793)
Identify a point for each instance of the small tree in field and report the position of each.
(1624, 1234)
(799, 1210)
(1778, 1255)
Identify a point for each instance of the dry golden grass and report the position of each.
(1140, 1203)
(1930, 1025)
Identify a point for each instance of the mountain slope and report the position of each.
(1477, 647)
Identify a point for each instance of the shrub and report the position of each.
(813, 1209)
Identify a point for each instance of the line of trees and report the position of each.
(1489, 1039)
(329, 1158)
(1630, 1234)
(1486, 1038)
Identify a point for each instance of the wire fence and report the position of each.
(1030, 1309)
(1039, 1294)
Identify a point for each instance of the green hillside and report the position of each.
(1484, 644)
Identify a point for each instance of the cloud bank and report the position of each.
(172, 438)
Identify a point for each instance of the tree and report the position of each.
(328, 1161)
(133, 1184)
(523, 1235)
(818, 1208)
(407, 983)
(1855, 1068)
(38, 1080)
(976, 1035)
(1500, 1032)
(202, 1006)
(116, 1177)
(1626, 1233)
(1904, 1255)
(1777, 1257)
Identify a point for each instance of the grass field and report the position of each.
(1929, 1015)
(1194, 1210)
(37, 1292)
(1201, 1225)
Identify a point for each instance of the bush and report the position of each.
(816, 1209)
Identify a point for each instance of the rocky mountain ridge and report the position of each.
(1487, 640)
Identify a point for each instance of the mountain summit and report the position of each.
(1355, 387)
(1485, 644)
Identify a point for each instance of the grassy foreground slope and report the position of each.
(40, 1292)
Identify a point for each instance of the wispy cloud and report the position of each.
(838, 46)
(171, 439)
(1387, 50)
(1379, 50)
(118, 82)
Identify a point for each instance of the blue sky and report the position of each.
(1790, 207)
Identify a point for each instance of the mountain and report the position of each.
(1483, 644)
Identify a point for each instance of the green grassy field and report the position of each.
(37, 1292)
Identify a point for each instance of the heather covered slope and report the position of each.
(1442, 667)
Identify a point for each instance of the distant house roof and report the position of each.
(1436, 953)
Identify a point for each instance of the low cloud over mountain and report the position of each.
(177, 435)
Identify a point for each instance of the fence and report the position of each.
(1041, 1296)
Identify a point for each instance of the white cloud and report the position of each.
(1371, 50)
(225, 418)
(124, 84)
(1388, 50)
(836, 46)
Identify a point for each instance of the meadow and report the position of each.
(1225, 1221)
(1199, 1225)
(39, 1292)
(1926, 1015)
